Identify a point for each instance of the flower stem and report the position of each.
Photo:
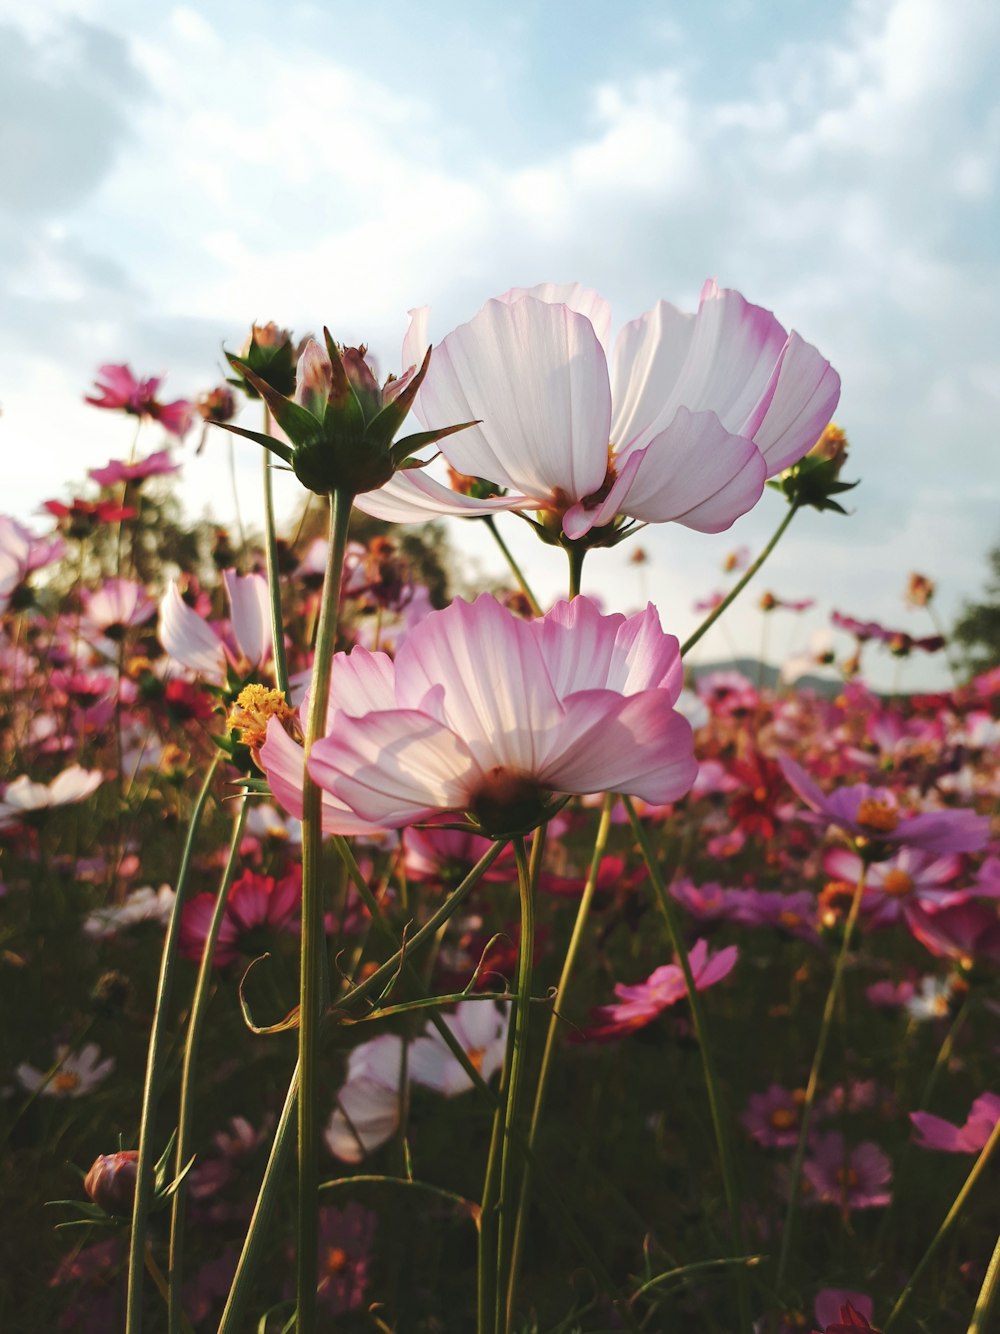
(719, 1119)
(151, 1090)
(739, 586)
(234, 1315)
(817, 1064)
(526, 878)
(562, 991)
(576, 556)
(185, 1113)
(311, 999)
(273, 578)
(516, 570)
(987, 1295)
(990, 1284)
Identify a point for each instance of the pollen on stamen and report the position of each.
(255, 706)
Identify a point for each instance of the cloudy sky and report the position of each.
(171, 173)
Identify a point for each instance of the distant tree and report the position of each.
(977, 630)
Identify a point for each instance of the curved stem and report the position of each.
(514, 567)
(234, 1315)
(185, 1112)
(720, 1123)
(311, 999)
(992, 1277)
(522, 1011)
(739, 586)
(562, 990)
(826, 1026)
(168, 966)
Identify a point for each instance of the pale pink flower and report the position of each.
(367, 1110)
(78, 1073)
(481, 1029)
(197, 645)
(118, 605)
(482, 712)
(682, 422)
(21, 552)
(22, 796)
(120, 391)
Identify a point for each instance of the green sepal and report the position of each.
(268, 441)
(403, 447)
(301, 427)
(343, 404)
(386, 423)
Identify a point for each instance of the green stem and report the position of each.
(739, 586)
(234, 1317)
(516, 570)
(719, 1119)
(151, 1090)
(826, 1026)
(992, 1277)
(987, 1295)
(562, 991)
(311, 999)
(235, 1314)
(185, 1112)
(273, 576)
(576, 556)
(487, 1290)
(522, 1011)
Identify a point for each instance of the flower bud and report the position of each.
(110, 1183)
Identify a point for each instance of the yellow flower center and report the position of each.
(335, 1260)
(783, 1118)
(897, 884)
(877, 815)
(255, 706)
(66, 1082)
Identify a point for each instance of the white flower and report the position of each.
(142, 905)
(75, 1075)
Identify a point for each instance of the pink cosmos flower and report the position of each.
(911, 877)
(119, 604)
(120, 391)
(256, 903)
(639, 1005)
(772, 1118)
(482, 712)
(22, 552)
(481, 1029)
(683, 422)
(852, 1179)
(197, 645)
(367, 1110)
(967, 932)
(158, 464)
(873, 813)
(445, 856)
(346, 1237)
(933, 1132)
(77, 1073)
(840, 1311)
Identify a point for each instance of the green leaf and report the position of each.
(420, 438)
(268, 441)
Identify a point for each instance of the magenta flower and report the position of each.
(639, 1005)
(256, 903)
(120, 391)
(445, 855)
(158, 464)
(851, 1179)
(966, 932)
(346, 1237)
(484, 713)
(683, 422)
(934, 1132)
(874, 814)
(840, 1312)
(772, 1118)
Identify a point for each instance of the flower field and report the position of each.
(377, 958)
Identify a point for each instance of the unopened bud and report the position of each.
(110, 1183)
